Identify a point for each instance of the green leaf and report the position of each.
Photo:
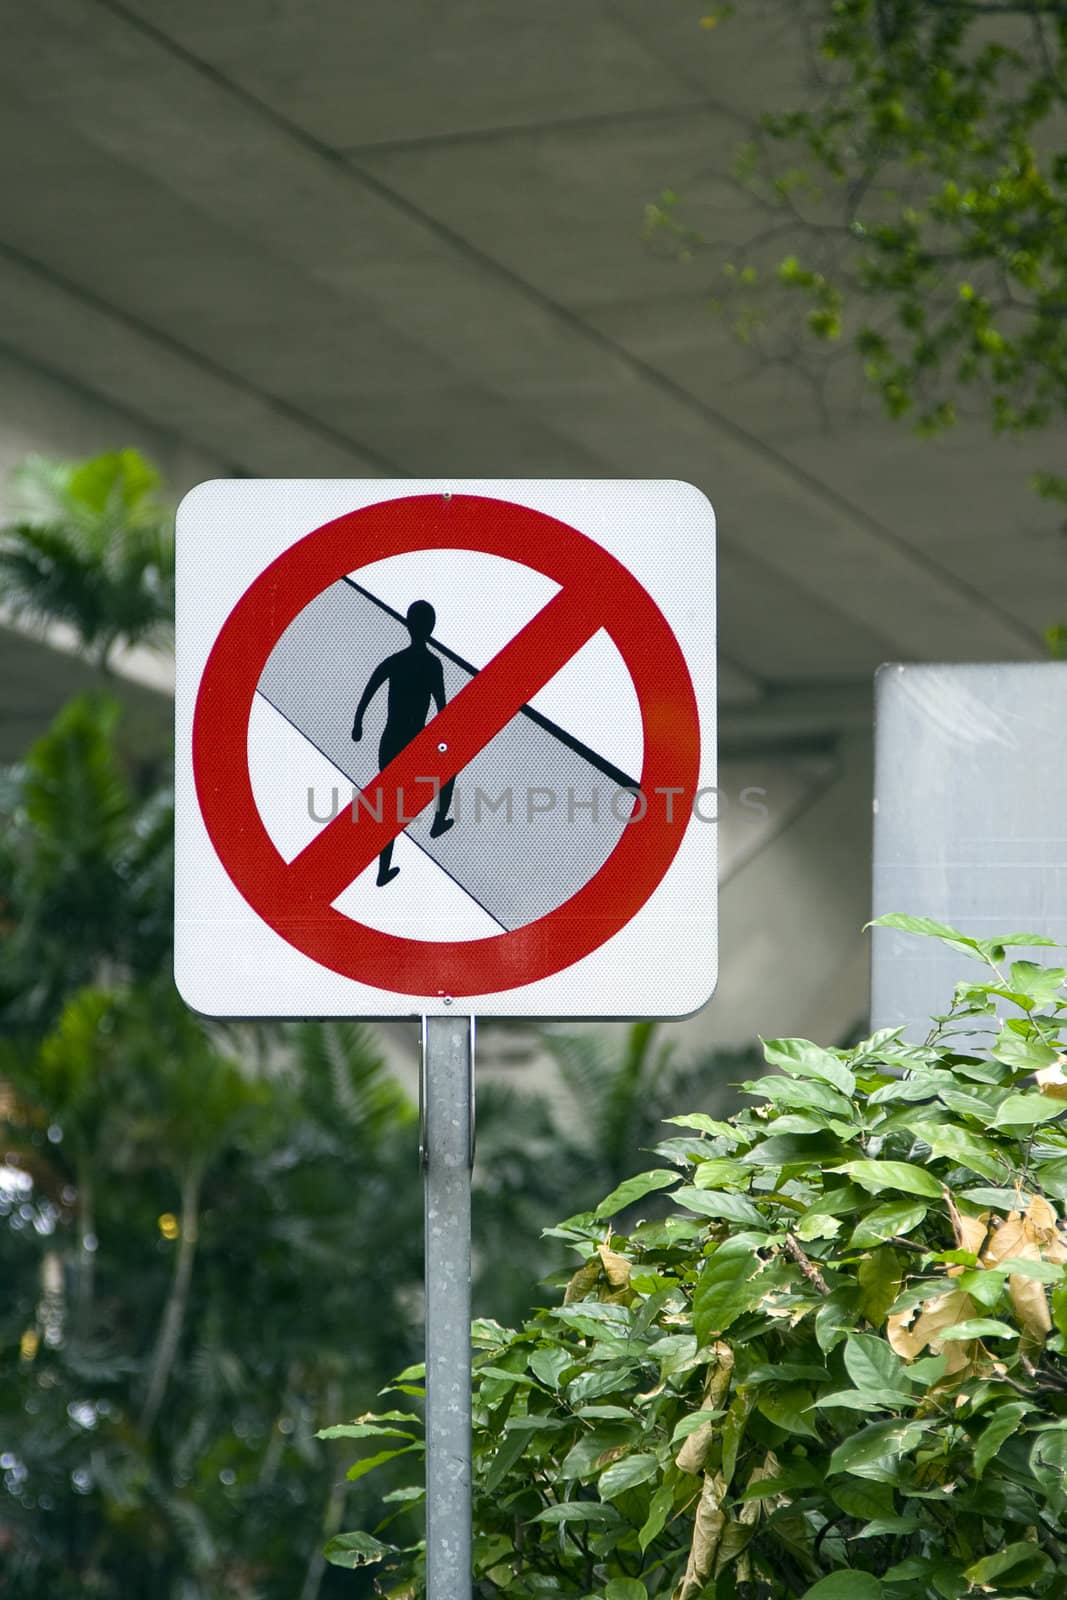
(957, 1144)
(1042, 984)
(538, 1422)
(878, 1527)
(1001, 1426)
(916, 1086)
(658, 1512)
(705, 1124)
(782, 1372)
(719, 1171)
(675, 1353)
(356, 1550)
(857, 1497)
(787, 1407)
(725, 1290)
(549, 1363)
(810, 1061)
(124, 475)
(984, 1287)
(733, 1432)
(625, 1589)
(1041, 1271)
(838, 1202)
(897, 1218)
(877, 1176)
(999, 1199)
(1059, 1309)
(867, 1400)
(872, 1452)
(512, 1446)
(520, 1379)
(801, 1149)
(1020, 1558)
(816, 1225)
(581, 1460)
(591, 1385)
(836, 1317)
(1052, 1176)
(978, 1328)
(965, 1105)
(730, 1207)
(690, 1424)
(801, 1094)
(879, 1279)
(872, 1363)
(625, 1474)
(929, 929)
(363, 1430)
(1026, 1055)
(1026, 1110)
(634, 1189)
(577, 1511)
(849, 1585)
(369, 1463)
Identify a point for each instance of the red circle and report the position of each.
(508, 960)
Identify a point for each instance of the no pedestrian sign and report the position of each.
(445, 746)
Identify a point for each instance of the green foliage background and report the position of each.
(915, 206)
(210, 1237)
(833, 1369)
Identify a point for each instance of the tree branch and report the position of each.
(174, 1313)
(806, 1265)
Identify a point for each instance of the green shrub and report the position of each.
(834, 1370)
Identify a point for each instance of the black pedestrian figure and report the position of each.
(415, 678)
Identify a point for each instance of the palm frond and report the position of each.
(93, 547)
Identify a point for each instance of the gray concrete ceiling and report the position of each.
(318, 237)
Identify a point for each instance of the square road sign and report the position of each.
(445, 746)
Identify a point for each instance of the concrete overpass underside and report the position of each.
(276, 237)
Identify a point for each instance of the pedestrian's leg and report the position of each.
(386, 871)
(388, 747)
(442, 821)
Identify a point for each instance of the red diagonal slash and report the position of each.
(345, 848)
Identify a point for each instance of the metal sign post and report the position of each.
(445, 746)
(446, 1146)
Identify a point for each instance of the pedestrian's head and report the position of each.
(421, 618)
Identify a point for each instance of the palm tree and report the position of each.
(85, 876)
(92, 546)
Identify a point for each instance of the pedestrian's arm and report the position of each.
(377, 678)
(438, 690)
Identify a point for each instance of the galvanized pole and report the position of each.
(447, 1150)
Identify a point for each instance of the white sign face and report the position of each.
(445, 747)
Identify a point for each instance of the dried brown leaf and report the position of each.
(1031, 1306)
(750, 1511)
(910, 1339)
(901, 1337)
(583, 1283)
(1009, 1241)
(718, 1380)
(708, 1525)
(1053, 1081)
(694, 1452)
(616, 1267)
